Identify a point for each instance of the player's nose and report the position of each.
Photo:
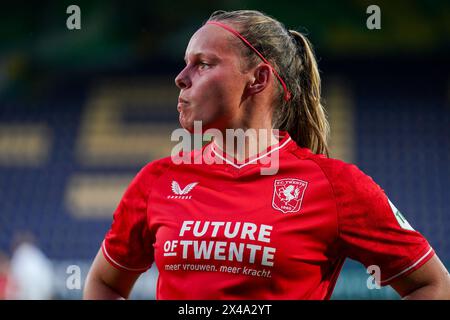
(182, 80)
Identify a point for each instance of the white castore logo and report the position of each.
(181, 193)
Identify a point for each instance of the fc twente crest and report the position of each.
(288, 194)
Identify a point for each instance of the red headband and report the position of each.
(287, 94)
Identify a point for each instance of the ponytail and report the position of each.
(307, 125)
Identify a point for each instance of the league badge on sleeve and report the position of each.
(288, 194)
(400, 218)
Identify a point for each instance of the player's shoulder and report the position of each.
(156, 167)
(176, 161)
(347, 180)
(336, 170)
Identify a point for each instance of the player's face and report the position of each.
(212, 84)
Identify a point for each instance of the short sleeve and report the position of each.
(128, 245)
(372, 230)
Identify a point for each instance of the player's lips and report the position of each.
(182, 103)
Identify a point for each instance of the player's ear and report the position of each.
(261, 77)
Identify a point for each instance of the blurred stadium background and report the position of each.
(81, 111)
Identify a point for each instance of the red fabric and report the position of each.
(368, 230)
(3, 286)
(226, 236)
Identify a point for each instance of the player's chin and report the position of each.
(186, 123)
(193, 124)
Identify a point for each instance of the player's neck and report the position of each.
(242, 144)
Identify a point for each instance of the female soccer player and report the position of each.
(220, 229)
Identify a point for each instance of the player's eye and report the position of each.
(203, 65)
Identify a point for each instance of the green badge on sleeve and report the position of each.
(400, 218)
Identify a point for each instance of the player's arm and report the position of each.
(107, 282)
(431, 281)
(374, 232)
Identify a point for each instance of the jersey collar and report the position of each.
(284, 141)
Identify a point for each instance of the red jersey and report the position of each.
(224, 231)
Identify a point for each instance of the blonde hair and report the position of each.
(292, 55)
